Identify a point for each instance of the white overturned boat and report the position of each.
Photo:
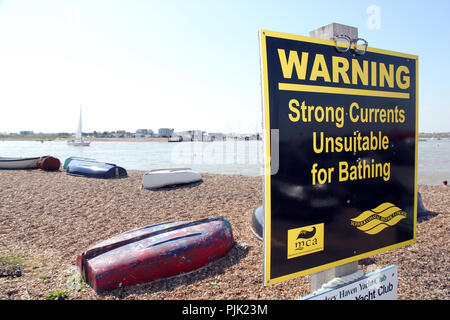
(169, 177)
(18, 163)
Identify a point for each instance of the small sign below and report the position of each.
(378, 285)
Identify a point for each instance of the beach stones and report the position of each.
(10, 270)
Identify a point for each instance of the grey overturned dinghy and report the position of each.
(258, 222)
(18, 163)
(169, 177)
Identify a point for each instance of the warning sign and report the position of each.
(341, 131)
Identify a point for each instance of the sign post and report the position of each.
(319, 278)
(345, 186)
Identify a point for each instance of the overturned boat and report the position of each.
(95, 169)
(49, 163)
(258, 222)
(18, 163)
(154, 252)
(67, 161)
(169, 177)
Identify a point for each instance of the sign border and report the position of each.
(267, 165)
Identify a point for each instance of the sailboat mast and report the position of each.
(78, 134)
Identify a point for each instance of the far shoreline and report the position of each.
(39, 139)
(42, 138)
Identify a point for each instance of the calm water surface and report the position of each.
(434, 161)
(227, 157)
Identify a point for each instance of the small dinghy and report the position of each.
(154, 252)
(258, 222)
(169, 177)
(95, 169)
(18, 163)
(67, 161)
(49, 163)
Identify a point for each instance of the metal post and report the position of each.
(319, 278)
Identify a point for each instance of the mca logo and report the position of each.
(375, 220)
(305, 240)
(303, 234)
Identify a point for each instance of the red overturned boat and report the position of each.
(155, 251)
(49, 163)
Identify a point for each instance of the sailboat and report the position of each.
(78, 141)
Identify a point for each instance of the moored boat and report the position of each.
(154, 252)
(95, 169)
(175, 139)
(169, 177)
(18, 163)
(78, 141)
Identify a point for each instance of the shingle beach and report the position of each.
(48, 218)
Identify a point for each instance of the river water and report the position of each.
(225, 157)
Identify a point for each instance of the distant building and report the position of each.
(215, 136)
(26, 133)
(143, 133)
(165, 132)
(184, 135)
(198, 135)
(191, 135)
(120, 134)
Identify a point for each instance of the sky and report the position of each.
(136, 64)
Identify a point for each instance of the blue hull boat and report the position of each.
(94, 169)
(66, 163)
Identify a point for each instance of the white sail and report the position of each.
(78, 134)
(78, 141)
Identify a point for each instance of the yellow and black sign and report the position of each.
(305, 240)
(344, 127)
(375, 220)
